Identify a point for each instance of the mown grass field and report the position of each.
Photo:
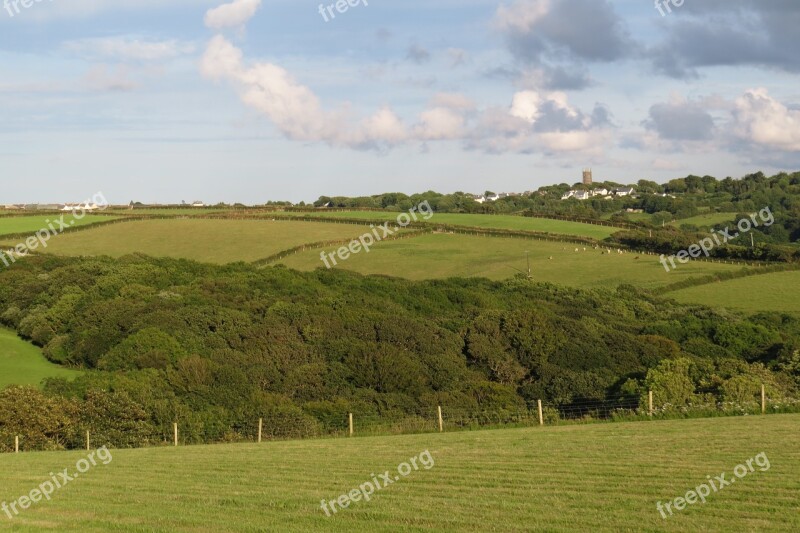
(603, 477)
(774, 292)
(21, 363)
(510, 222)
(705, 221)
(435, 256)
(31, 224)
(212, 241)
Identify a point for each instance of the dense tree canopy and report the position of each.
(213, 345)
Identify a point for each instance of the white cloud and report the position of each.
(233, 15)
(525, 105)
(294, 108)
(439, 124)
(521, 16)
(760, 119)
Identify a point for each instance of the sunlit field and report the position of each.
(442, 255)
(213, 241)
(771, 292)
(606, 477)
(22, 363)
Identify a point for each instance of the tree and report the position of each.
(671, 384)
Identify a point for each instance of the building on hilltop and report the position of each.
(587, 176)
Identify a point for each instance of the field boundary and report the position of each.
(297, 424)
(726, 276)
(323, 244)
(70, 229)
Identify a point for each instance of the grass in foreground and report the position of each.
(32, 224)
(604, 477)
(22, 363)
(212, 241)
(774, 292)
(509, 222)
(442, 256)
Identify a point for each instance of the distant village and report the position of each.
(586, 193)
(84, 206)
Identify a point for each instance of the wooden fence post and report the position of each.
(260, 428)
(763, 400)
(541, 415)
(16, 444)
(650, 403)
(441, 421)
(175, 431)
(351, 424)
(88, 441)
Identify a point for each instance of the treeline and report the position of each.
(669, 240)
(678, 199)
(208, 346)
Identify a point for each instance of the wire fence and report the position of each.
(300, 425)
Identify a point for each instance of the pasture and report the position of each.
(509, 222)
(22, 363)
(599, 477)
(172, 211)
(435, 256)
(33, 223)
(771, 292)
(213, 241)
(707, 220)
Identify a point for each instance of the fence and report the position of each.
(298, 425)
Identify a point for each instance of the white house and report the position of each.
(581, 195)
(86, 206)
(600, 192)
(624, 191)
(198, 204)
(568, 195)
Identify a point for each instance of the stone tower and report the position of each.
(587, 176)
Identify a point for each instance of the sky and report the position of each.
(256, 100)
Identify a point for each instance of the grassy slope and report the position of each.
(706, 221)
(774, 292)
(22, 363)
(10, 225)
(491, 221)
(215, 241)
(442, 256)
(605, 477)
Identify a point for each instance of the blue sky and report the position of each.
(170, 100)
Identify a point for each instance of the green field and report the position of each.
(31, 224)
(705, 221)
(510, 222)
(22, 363)
(603, 477)
(772, 292)
(172, 211)
(213, 241)
(443, 255)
